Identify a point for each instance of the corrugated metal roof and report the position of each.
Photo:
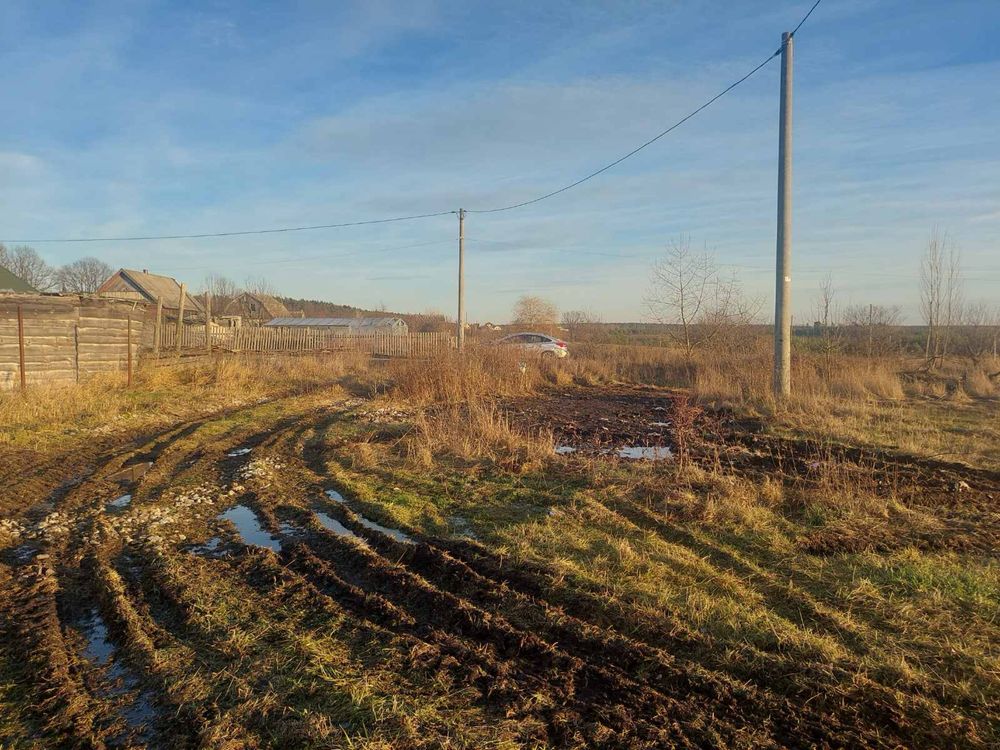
(338, 322)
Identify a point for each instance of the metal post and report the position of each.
(783, 275)
(20, 345)
(461, 279)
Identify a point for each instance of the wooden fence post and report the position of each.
(20, 344)
(158, 326)
(180, 320)
(208, 322)
(129, 344)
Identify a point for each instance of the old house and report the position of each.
(253, 307)
(346, 325)
(149, 287)
(11, 283)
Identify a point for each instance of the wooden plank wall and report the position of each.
(301, 339)
(66, 338)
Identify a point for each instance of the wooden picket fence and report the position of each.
(296, 339)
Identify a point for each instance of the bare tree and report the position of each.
(83, 276)
(980, 330)
(688, 294)
(580, 323)
(940, 293)
(258, 285)
(873, 327)
(953, 295)
(25, 262)
(535, 312)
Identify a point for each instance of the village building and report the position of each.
(346, 325)
(254, 308)
(11, 283)
(143, 286)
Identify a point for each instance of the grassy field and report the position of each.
(315, 552)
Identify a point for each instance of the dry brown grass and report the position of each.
(450, 377)
(476, 430)
(105, 403)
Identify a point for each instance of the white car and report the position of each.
(537, 343)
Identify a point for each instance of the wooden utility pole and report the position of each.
(208, 322)
(129, 343)
(461, 279)
(783, 275)
(180, 319)
(157, 331)
(20, 345)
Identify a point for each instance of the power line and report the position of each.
(652, 140)
(563, 189)
(805, 17)
(634, 151)
(232, 234)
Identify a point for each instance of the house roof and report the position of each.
(153, 286)
(271, 306)
(11, 283)
(337, 322)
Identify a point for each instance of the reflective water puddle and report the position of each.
(238, 452)
(137, 710)
(249, 528)
(208, 548)
(396, 534)
(121, 502)
(646, 452)
(335, 496)
(564, 450)
(332, 524)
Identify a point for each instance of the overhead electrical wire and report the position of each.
(595, 173)
(233, 234)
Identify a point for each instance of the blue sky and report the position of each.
(162, 118)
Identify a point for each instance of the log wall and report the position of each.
(67, 338)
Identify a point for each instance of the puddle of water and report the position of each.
(120, 502)
(208, 548)
(138, 711)
(335, 496)
(99, 648)
(332, 524)
(238, 452)
(461, 527)
(131, 473)
(396, 534)
(249, 528)
(564, 450)
(647, 452)
(23, 554)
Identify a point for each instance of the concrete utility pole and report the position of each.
(461, 279)
(783, 275)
